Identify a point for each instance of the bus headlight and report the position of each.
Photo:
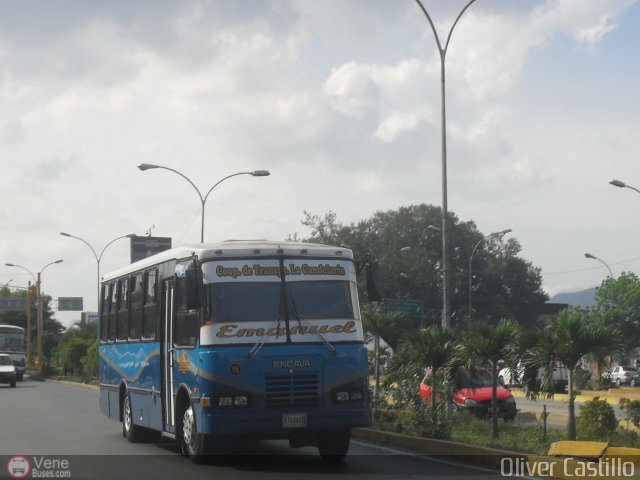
(349, 396)
(225, 401)
(342, 396)
(357, 396)
(240, 401)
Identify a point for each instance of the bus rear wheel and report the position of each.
(130, 431)
(333, 445)
(192, 443)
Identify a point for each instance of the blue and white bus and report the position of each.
(241, 338)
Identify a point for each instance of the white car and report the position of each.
(509, 378)
(623, 376)
(7, 370)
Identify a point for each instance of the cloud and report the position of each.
(340, 100)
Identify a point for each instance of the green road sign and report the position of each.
(411, 308)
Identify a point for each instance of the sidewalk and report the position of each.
(613, 396)
(531, 412)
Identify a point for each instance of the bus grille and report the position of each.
(287, 391)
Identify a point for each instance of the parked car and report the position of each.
(623, 375)
(510, 378)
(475, 394)
(7, 370)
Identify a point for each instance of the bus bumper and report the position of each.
(272, 424)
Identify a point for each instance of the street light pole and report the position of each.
(495, 234)
(97, 257)
(443, 54)
(39, 321)
(588, 255)
(203, 199)
(618, 183)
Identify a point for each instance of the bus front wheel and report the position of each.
(333, 445)
(192, 443)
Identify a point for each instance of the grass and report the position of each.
(512, 436)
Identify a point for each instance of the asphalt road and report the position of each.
(59, 430)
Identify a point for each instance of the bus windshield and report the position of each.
(11, 342)
(245, 301)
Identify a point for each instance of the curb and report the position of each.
(75, 384)
(478, 455)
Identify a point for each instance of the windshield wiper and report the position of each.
(301, 319)
(262, 340)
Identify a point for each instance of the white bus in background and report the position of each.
(12, 343)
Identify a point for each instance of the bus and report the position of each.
(212, 343)
(12, 343)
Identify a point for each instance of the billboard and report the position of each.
(143, 247)
(70, 304)
(89, 317)
(13, 304)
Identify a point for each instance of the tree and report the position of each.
(77, 348)
(618, 303)
(19, 318)
(381, 325)
(432, 347)
(485, 344)
(407, 245)
(574, 334)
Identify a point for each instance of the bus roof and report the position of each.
(14, 328)
(233, 249)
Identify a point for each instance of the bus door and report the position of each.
(168, 357)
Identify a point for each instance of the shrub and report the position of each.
(582, 379)
(631, 410)
(597, 421)
(433, 421)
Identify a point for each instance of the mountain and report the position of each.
(585, 298)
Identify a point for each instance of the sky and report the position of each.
(340, 101)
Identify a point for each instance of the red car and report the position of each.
(476, 396)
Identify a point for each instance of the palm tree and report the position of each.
(575, 334)
(379, 324)
(483, 345)
(431, 347)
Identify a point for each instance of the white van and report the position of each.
(7, 370)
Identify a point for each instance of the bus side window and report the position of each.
(123, 310)
(104, 313)
(136, 307)
(149, 291)
(112, 311)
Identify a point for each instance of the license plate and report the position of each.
(294, 420)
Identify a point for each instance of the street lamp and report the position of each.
(495, 234)
(98, 257)
(588, 255)
(443, 53)
(203, 199)
(39, 307)
(618, 183)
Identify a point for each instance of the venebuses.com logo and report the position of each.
(18, 467)
(38, 467)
